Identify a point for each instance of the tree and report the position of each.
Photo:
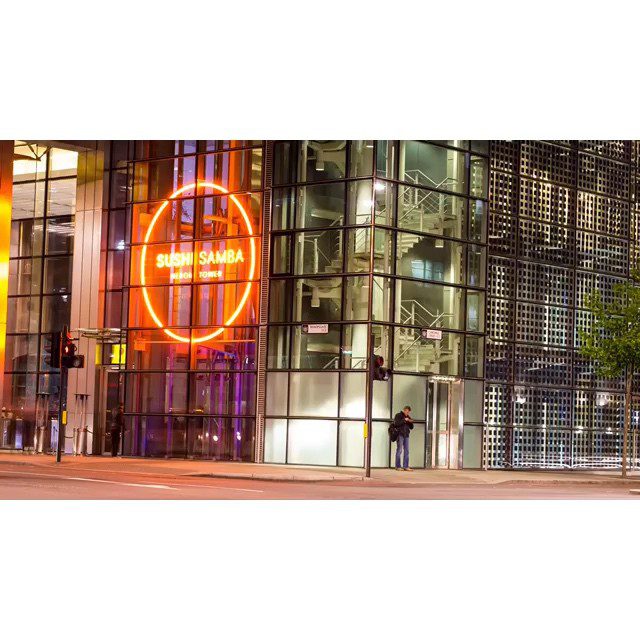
(613, 341)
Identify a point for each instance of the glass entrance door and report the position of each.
(443, 398)
(109, 399)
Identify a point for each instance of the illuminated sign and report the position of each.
(210, 263)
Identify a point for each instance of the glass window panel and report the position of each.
(21, 353)
(278, 350)
(380, 445)
(19, 398)
(323, 402)
(117, 229)
(476, 265)
(354, 347)
(312, 442)
(474, 357)
(352, 395)
(162, 148)
(360, 202)
(115, 270)
(382, 299)
(215, 304)
(480, 146)
(319, 252)
(280, 300)
(382, 401)
(228, 393)
(277, 393)
(412, 391)
(157, 180)
(473, 401)
(386, 151)
(472, 447)
(320, 205)
(478, 221)
(322, 160)
(358, 249)
(384, 197)
(431, 212)
(479, 177)
(57, 275)
(26, 237)
(232, 348)
(61, 197)
(233, 170)
(351, 444)
(275, 441)
(119, 190)
(360, 158)
(429, 258)
(24, 276)
(27, 200)
(60, 232)
(316, 350)
(282, 209)
(175, 223)
(171, 304)
(356, 298)
(62, 163)
(153, 349)
(412, 353)
(383, 246)
(30, 162)
(23, 314)
(317, 299)
(222, 216)
(281, 262)
(156, 392)
(56, 312)
(431, 166)
(113, 309)
(428, 305)
(284, 162)
(475, 311)
(461, 144)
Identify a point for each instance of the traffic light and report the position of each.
(69, 358)
(380, 372)
(53, 347)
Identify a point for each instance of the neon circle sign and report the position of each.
(252, 262)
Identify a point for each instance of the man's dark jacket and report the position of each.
(403, 426)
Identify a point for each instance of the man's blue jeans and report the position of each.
(402, 444)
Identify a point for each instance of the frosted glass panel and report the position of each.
(351, 444)
(314, 394)
(352, 395)
(277, 394)
(473, 395)
(380, 445)
(312, 441)
(416, 447)
(411, 390)
(381, 399)
(472, 447)
(275, 440)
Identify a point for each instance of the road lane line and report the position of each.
(56, 476)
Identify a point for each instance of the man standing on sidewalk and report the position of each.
(117, 426)
(403, 423)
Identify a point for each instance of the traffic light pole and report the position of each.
(62, 412)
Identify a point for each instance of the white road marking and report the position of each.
(130, 484)
(124, 484)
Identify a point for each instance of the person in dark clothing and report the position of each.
(403, 422)
(117, 427)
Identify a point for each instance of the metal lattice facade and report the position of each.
(563, 220)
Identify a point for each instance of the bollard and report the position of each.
(83, 441)
(76, 440)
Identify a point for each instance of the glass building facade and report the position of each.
(244, 286)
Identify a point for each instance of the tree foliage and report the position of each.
(613, 341)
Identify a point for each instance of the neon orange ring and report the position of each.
(143, 257)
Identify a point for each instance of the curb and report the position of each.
(273, 478)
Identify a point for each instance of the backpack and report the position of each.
(394, 432)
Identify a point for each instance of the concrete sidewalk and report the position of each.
(282, 473)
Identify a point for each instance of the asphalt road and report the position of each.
(21, 482)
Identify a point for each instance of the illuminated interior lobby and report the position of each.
(231, 294)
